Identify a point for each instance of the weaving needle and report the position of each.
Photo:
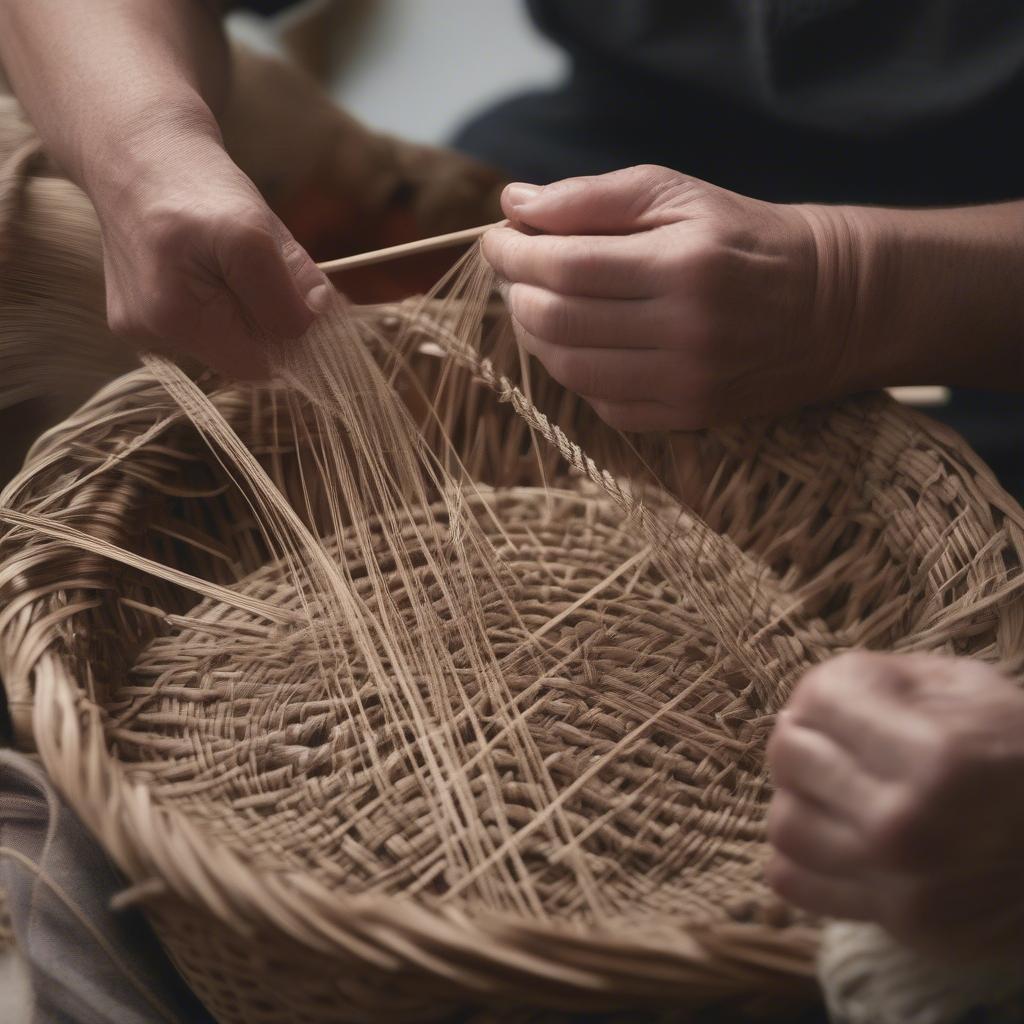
(394, 252)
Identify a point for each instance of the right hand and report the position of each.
(898, 781)
(196, 262)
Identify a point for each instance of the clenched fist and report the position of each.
(669, 303)
(899, 782)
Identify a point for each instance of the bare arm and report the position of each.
(933, 296)
(124, 94)
(95, 75)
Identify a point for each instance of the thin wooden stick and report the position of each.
(394, 252)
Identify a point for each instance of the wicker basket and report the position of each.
(284, 896)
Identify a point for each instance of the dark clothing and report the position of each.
(872, 101)
(834, 100)
(266, 7)
(888, 102)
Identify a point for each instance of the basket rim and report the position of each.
(163, 853)
(152, 841)
(149, 841)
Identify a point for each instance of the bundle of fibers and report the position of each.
(470, 715)
(301, 150)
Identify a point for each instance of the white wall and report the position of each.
(423, 66)
(427, 64)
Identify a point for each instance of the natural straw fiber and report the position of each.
(339, 186)
(466, 715)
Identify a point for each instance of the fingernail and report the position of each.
(519, 194)
(318, 298)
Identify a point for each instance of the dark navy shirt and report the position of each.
(875, 101)
(878, 101)
(906, 102)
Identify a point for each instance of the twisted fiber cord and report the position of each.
(409, 656)
(703, 562)
(185, 395)
(396, 641)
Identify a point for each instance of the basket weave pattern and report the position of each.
(287, 887)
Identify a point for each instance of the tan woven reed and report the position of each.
(287, 891)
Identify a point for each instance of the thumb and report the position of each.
(277, 283)
(622, 202)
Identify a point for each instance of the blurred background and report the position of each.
(417, 70)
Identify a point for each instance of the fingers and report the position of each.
(813, 766)
(860, 701)
(598, 266)
(606, 373)
(819, 893)
(812, 838)
(632, 199)
(642, 417)
(890, 806)
(275, 283)
(593, 323)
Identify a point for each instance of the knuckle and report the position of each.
(815, 685)
(655, 182)
(699, 271)
(248, 234)
(175, 231)
(823, 683)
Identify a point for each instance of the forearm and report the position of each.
(931, 296)
(105, 80)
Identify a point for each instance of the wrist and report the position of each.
(852, 268)
(922, 296)
(160, 146)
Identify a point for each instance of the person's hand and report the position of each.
(898, 800)
(669, 303)
(197, 263)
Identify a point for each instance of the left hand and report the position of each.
(899, 782)
(670, 304)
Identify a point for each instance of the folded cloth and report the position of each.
(88, 963)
